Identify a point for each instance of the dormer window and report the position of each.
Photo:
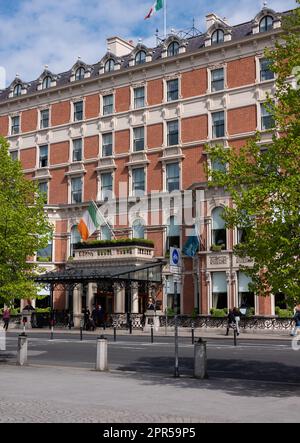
(266, 24)
(110, 65)
(80, 74)
(47, 82)
(17, 90)
(173, 49)
(217, 37)
(140, 58)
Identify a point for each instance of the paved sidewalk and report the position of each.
(65, 395)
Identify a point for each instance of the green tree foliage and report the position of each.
(264, 181)
(24, 229)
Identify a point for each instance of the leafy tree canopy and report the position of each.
(24, 229)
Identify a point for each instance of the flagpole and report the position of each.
(165, 18)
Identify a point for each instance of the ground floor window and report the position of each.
(219, 290)
(174, 303)
(246, 296)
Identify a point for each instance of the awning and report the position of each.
(74, 274)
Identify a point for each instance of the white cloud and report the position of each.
(57, 31)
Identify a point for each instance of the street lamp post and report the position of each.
(176, 373)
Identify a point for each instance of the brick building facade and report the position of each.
(138, 122)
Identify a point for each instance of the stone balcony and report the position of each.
(111, 254)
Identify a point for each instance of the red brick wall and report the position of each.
(61, 227)
(61, 249)
(194, 83)
(122, 141)
(29, 120)
(59, 297)
(4, 123)
(264, 305)
(155, 92)
(122, 99)
(58, 187)
(91, 147)
(194, 128)
(155, 136)
(242, 120)
(90, 182)
(193, 166)
(59, 153)
(28, 158)
(92, 106)
(241, 72)
(157, 238)
(121, 174)
(60, 113)
(154, 173)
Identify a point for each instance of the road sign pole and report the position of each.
(176, 372)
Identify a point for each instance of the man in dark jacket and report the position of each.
(297, 322)
(231, 321)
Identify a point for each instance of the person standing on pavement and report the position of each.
(6, 319)
(297, 322)
(237, 316)
(230, 321)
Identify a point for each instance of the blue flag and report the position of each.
(191, 247)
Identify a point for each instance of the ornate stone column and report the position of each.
(135, 298)
(119, 293)
(77, 305)
(90, 296)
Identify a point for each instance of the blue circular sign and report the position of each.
(175, 257)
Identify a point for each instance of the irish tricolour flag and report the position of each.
(90, 222)
(159, 4)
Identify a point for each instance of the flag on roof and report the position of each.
(158, 5)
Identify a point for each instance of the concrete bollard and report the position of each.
(101, 362)
(200, 362)
(22, 350)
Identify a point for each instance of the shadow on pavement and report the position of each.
(262, 378)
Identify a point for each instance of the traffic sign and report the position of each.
(175, 257)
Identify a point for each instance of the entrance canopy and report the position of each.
(75, 274)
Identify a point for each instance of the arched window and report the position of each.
(173, 49)
(47, 82)
(266, 24)
(140, 58)
(138, 229)
(80, 73)
(218, 229)
(173, 233)
(75, 238)
(105, 233)
(17, 90)
(109, 65)
(217, 37)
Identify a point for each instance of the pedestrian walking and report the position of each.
(6, 318)
(237, 316)
(296, 320)
(231, 322)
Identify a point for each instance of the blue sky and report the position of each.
(34, 33)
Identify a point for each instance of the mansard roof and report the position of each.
(238, 32)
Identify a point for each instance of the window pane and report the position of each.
(108, 104)
(138, 229)
(217, 80)
(218, 37)
(139, 97)
(45, 119)
(78, 111)
(267, 119)
(173, 49)
(77, 150)
(43, 156)
(138, 182)
(138, 141)
(173, 133)
(45, 253)
(107, 145)
(76, 185)
(106, 185)
(15, 125)
(173, 177)
(43, 189)
(80, 73)
(140, 58)
(218, 124)
(109, 65)
(265, 71)
(172, 90)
